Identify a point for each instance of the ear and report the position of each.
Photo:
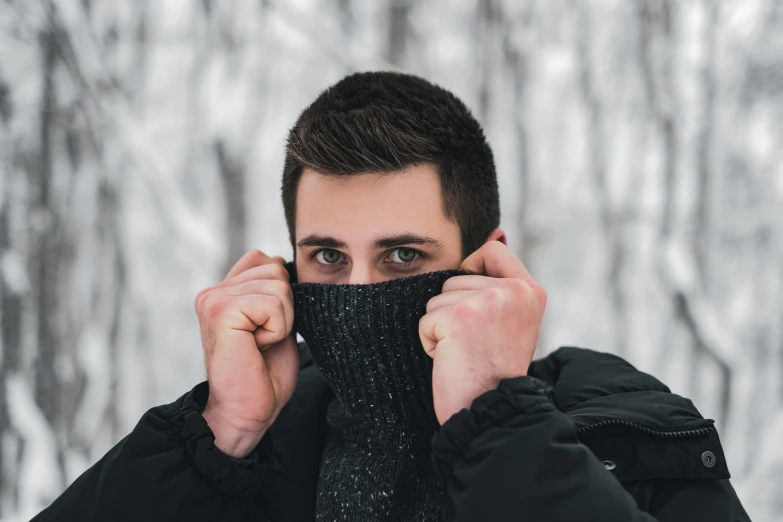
(497, 235)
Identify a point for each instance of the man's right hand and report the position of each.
(250, 353)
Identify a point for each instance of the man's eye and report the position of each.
(328, 257)
(403, 255)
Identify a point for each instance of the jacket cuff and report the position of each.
(228, 475)
(495, 408)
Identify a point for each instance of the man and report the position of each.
(415, 396)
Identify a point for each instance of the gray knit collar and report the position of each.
(365, 341)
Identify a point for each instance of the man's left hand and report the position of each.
(482, 328)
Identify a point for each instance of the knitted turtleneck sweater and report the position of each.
(365, 341)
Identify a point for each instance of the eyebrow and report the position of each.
(383, 243)
(315, 240)
(406, 239)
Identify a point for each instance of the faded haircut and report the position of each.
(382, 122)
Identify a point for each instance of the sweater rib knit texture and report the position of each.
(365, 341)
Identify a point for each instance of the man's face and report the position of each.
(370, 228)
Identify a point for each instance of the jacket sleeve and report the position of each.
(514, 456)
(167, 468)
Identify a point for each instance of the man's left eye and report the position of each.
(403, 255)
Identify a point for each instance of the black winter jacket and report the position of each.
(585, 437)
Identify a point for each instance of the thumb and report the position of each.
(494, 259)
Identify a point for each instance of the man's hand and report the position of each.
(251, 357)
(482, 328)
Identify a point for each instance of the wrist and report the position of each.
(231, 440)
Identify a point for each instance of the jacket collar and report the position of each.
(630, 419)
(593, 387)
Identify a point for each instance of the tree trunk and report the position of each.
(45, 249)
(233, 176)
(399, 31)
(611, 224)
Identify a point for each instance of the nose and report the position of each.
(362, 274)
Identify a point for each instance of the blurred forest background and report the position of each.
(638, 142)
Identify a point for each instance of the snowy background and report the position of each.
(639, 145)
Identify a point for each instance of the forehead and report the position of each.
(369, 205)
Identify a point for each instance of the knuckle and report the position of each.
(201, 297)
(465, 310)
(213, 307)
(517, 286)
(252, 258)
(540, 294)
(278, 271)
(272, 302)
(494, 296)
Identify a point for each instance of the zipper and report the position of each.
(676, 434)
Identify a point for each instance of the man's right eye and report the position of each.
(327, 256)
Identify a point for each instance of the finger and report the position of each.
(495, 259)
(432, 328)
(249, 260)
(282, 358)
(272, 272)
(267, 313)
(273, 287)
(470, 282)
(449, 298)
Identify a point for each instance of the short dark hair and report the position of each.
(382, 122)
